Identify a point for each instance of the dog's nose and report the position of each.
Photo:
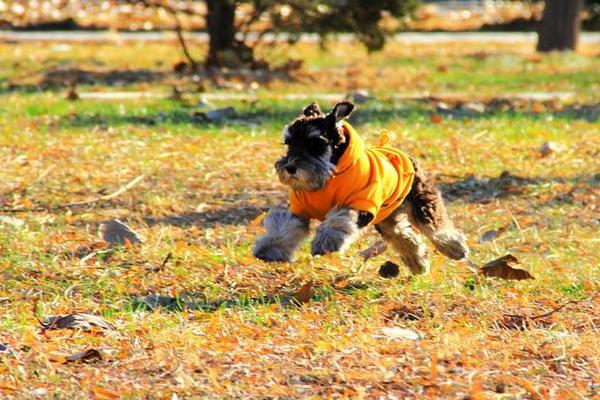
(290, 169)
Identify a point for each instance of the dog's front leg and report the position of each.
(340, 229)
(285, 231)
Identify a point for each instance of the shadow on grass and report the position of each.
(232, 215)
(469, 189)
(190, 302)
(262, 115)
(195, 301)
(473, 189)
(64, 76)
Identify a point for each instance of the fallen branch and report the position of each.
(163, 264)
(121, 190)
(549, 313)
(178, 29)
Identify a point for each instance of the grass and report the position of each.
(233, 331)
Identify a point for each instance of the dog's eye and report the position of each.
(318, 141)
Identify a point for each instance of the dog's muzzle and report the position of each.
(298, 177)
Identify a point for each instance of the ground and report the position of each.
(228, 325)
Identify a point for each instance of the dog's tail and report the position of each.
(428, 213)
(427, 206)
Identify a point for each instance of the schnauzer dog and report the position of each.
(335, 178)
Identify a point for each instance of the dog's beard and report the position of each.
(309, 178)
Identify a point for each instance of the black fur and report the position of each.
(427, 206)
(315, 144)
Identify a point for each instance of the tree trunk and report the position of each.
(220, 21)
(560, 25)
(223, 48)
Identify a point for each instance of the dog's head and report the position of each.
(314, 141)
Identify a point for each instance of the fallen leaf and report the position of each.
(258, 220)
(493, 234)
(549, 148)
(305, 292)
(537, 107)
(528, 386)
(442, 106)
(220, 114)
(39, 392)
(389, 270)
(500, 268)
(85, 356)
(72, 94)
(490, 235)
(6, 349)
(8, 390)
(376, 249)
(116, 232)
(435, 118)
(360, 96)
(474, 106)
(176, 94)
(155, 301)
(12, 221)
(407, 312)
(180, 67)
(85, 322)
(102, 393)
(396, 332)
(341, 282)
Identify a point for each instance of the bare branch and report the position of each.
(178, 28)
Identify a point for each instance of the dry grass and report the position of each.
(233, 331)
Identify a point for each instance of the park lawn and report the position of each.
(232, 326)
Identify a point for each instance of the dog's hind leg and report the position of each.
(397, 231)
(427, 212)
(285, 232)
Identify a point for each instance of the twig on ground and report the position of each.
(121, 190)
(533, 317)
(163, 264)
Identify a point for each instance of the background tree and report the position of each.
(592, 11)
(227, 31)
(560, 26)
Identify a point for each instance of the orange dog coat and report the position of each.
(372, 179)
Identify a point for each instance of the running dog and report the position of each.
(337, 179)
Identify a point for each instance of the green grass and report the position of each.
(206, 184)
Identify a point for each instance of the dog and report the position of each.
(335, 178)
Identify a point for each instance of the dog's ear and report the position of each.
(341, 111)
(313, 110)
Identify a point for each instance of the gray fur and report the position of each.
(397, 230)
(312, 174)
(451, 243)
(447, 239)
(285, 232)
(337, 232)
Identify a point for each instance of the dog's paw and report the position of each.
(417, 264)
(330, 242)
(271, 253)
(451, 243)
